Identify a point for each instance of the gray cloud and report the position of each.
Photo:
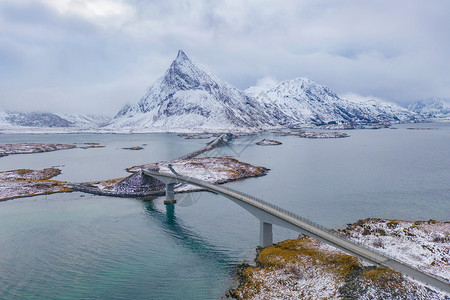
(95, 56)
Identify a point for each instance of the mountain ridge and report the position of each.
(188, 97)
(305, 102)
(10, 119)
(432, 108)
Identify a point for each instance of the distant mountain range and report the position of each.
(432, 108)
(9, 119)
(189, 98)
(304, 102)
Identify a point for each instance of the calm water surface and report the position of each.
(76, 245)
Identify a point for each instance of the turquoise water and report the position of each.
(76, 245)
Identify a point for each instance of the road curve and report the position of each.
(311, 229)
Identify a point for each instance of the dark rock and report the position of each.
(139, 183)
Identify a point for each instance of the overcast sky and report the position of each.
(94, 56)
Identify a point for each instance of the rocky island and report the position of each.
(91, 145)
(265, 142)
(133, 148)
(26, 183)
(308, 269)
(27, 148)
(212, 169)
(321, 135)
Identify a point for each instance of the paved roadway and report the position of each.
(281, 217)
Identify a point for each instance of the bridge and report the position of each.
(269, 215)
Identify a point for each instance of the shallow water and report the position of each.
(76, 245)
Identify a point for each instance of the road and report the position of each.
(272, 214)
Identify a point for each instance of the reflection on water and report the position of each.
(77, 245)
(186, 237)
(101, 247)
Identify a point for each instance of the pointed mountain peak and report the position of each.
(184, 74)
(181, 56)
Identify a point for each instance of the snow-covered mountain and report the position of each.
(433, 108)
(9, 119)
(86, 121)
(382, 110)
(303, 101)
(188, 97)
(3, 120)
(33, 119)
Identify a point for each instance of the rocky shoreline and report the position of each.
(275, 274)
(218, 170)
(322, 135)
(28, 148)
(26, 183)
(312, 134)
(306, 268)
(266, 142)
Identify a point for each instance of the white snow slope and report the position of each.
(303, 101)
(189, 97)
(433, 108)
(17, 120)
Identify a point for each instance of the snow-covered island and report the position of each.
(308, 269)
(265, 142)
(321, 135)
(212, 169)
(27, 174)
(312, 134)
(425, 245)
(27, 148)
(26, 183)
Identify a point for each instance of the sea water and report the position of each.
(76, 245)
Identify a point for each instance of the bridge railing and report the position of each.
(213, 186)
(278, 208)
(312, 223)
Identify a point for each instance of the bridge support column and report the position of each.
(170, 194)
(265, 234)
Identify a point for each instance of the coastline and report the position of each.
(27, 183)
(125, 196)
(290, 268)
(216, 170)
(213, 169)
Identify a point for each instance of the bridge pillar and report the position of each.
(265, 234)
(170, 194)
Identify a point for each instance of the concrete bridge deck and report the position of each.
(269, 214)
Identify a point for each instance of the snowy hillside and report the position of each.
(303, 101)
(3, 120)
(34, 119)
(189, 97)
(382, 110)
(86, 121)
(433, 108)
(10, 120)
